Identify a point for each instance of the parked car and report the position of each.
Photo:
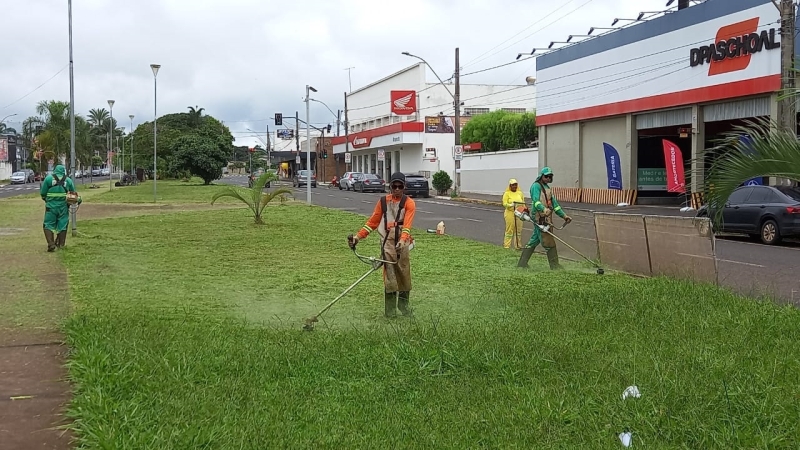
(30, 175)
(254, 176)
(770, 213)
(346, 182)
(301, 178)
(95, 172)
(417, 185)
(369, 182)
(105, 171)
(19, 178)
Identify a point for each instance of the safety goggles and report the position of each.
(397, 187)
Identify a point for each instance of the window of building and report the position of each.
(475, 111)
(515, 110)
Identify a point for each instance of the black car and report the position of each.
(417, 185)
(770, 213)
(369, 182)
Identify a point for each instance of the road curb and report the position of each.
(470, 200)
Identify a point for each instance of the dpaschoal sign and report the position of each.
(733, 47)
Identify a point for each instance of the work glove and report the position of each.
(352, 241)
(567, 219)
(547, 212)
(402, 245)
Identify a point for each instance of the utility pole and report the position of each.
(269, 149)
(297, 131)
(457, 96)
(346, 135)
(787, 113)
(72, 208)
(338, 122)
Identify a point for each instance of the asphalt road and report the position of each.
(747, 267)
(12, 190)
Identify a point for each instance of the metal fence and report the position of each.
(678, 247)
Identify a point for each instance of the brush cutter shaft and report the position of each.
(565, 243)
(369, 272)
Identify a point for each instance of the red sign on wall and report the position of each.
(404, 103)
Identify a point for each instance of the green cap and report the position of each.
(545, 171)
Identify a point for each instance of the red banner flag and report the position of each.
(673, 158)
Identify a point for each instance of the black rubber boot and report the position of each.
(390, 298)
(527, 252)
(61, 240)
(552, 258)
(402, 303)
(51, 241)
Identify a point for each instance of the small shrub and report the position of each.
(442, 182)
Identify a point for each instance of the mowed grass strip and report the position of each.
(187, 335)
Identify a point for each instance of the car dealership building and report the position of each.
(687, 76)
(404, 123)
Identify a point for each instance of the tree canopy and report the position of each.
(171, 128)
(501, 130)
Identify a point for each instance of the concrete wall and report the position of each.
(488, 173)
(593, 161)
(5, 170)
(561, 143)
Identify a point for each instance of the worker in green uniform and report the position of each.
(545, 204)
(55, 189)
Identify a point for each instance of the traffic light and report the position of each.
(329, 128)
(278, 119)
(324, 154)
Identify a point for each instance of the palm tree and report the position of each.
(50, 128)
(195, 115)
(768, 151)
(254, 197)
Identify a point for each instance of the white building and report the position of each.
(421, 137)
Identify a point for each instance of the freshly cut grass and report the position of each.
(187, 335)
(166, 191)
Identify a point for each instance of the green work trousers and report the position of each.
(56, 217)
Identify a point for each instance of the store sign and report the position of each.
(3, 149)
(444, 124)
(733, 47)
(404, 103)
(652, 179)
(361, 142)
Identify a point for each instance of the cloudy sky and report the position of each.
(243, 60)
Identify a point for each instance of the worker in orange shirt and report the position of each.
(393, 217)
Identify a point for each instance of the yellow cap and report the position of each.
(512, 181)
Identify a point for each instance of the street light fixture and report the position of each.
(556, 42)
(308, 143)
(155, 68)
(569, 39)
(6, 117)
(110, 140)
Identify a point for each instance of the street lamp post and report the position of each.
(308, 144)
(110, 140)
(131, 152)
(457, 105)
(155, 68)
(73, 208)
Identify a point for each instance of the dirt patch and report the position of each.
(33, 393)
(92, 211)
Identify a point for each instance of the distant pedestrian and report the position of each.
(513, 198)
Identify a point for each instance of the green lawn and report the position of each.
(166, 190)
(186, 333)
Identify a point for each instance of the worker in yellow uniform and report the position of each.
(513, 198)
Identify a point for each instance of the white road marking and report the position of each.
(471, 220)
(721, 260)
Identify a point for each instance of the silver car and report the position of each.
(19, 178)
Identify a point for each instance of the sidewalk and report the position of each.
(496, 200)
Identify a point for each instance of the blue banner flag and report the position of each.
(613, 167)
(749, 150)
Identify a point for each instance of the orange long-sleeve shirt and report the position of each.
(374, 221)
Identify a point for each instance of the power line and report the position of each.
(37, 88)
(478, 58)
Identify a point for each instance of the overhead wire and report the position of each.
(537, 31)
(36, 88)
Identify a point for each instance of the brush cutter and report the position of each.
(372, 261)
(525, 216)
